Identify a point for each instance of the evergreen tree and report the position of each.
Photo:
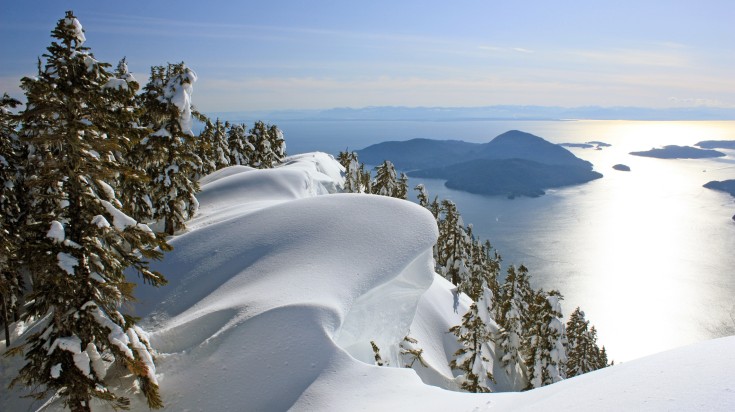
(402, 189)
(366, 180)
(545, 352)
(170, 160)
(385, 183)
(422, 196)
(352, 172)
(81, 242)
(583, 354)
(11, 279)
(270, 147)
(472, 358)
(133, 183)
(453, 246)
(212, 147)
(240, 149)
(511, 316)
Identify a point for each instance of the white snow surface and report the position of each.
(279, 285)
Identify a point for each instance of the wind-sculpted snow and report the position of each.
(272, 282)
(278, 287)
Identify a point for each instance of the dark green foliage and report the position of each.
(11, 279)
(212, 147)
(169, 157)
(353, 172)
(511, 315)
(240, 148)
(472, 358)
(79, 241)
(453, 245)
(270, 147)
(385, 183)
(545, 340)
(582, 351)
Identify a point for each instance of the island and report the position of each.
(679, 152)
(717, 144)
(512, 164)
(727, 186)
(598, 145)
(622, 167)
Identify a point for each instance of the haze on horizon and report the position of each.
(277, 55)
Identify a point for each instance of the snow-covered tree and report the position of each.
(473, 358)
(386, 182)
(133, 183)
(410, 352)
(239, 147)
(453, 245)
(402, 189)
(212, 146)
(80, 243)
(170, 158)
(352, 167)
(512, 313)
(270, 147)
(422, 196)
(545, 341)
(583, 354)
(11, 279)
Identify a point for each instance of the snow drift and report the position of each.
(280, 284)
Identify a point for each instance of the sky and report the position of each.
(292, 54)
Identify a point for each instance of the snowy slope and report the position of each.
(278, 287)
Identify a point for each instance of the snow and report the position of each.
(178, 91)
(73, 345)
(67, 262)
(56, 232)
(280, 284)
(77, 29)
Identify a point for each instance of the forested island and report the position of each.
(679, 152)
(513, 164)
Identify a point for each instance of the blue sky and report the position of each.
(263, 55)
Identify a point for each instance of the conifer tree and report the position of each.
(385, 183)
(11, 279)
(213, 147)
(453, 246)
(366, 180)
(472, 359)
(349, 161)
(583, 354)
(80, 242)
(422, 196)
(270, 147)
(171, 161)
(402, 189)
(512, 314)
(545, 352)
(133, 183)
(240, 149)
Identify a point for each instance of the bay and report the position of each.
(647, 254)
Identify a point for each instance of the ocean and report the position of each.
(649, 254)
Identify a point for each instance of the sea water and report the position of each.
(649, 254)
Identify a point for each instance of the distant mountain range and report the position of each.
(500, 112)
(513, 164)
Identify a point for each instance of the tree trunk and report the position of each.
(5, 321)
